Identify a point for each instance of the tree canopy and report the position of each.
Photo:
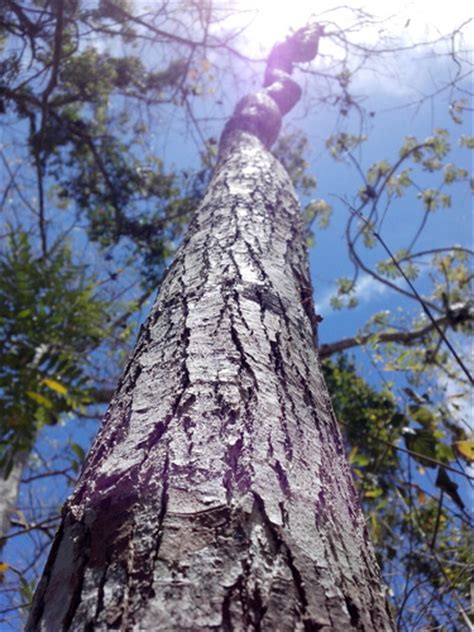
(111, 112)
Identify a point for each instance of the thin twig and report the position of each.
(417, 295)
(418, 454)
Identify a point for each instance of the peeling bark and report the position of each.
(217, 495)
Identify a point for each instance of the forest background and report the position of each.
(111, 114)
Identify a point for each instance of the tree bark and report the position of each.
(10, 487)
(217, 495)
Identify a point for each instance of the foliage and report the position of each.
(371, 423)
(418, 536)
(51, 318)
(385, 183)
(88, 146)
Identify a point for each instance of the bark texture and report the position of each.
(9, 488)
(217, 495)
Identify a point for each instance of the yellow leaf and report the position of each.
(421, 496)
(373, 493)
(465, 449)
(375, 528)
(352, 454)
(21, 518)
(40, 399)
(3, 569)
(55, 385)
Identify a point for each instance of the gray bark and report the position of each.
(9, 488)
(217, 495)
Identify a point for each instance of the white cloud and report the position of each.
(458, 398)
(367, 289)
(460, 403)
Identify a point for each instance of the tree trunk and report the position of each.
(10, 487)
(217, 495)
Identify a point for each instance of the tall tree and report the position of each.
(119, 74)
(217, 493)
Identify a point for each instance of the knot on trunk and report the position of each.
(283, 90)
(260, 113)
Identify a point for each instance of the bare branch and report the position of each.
(400, 337)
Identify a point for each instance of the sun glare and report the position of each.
(269, 21)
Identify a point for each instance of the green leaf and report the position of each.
(467, 141)
(40, 399)
(24, 313)
(78, 451)
(361, 460)
(450, 487)
(26, 589)
(340, 144)
(398, 419)
(444, 453)
(422, 415)
(422, 442)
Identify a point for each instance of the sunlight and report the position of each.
(409, 20)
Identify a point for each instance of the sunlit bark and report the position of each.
(217, 495)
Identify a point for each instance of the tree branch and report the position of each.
(462, 315)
